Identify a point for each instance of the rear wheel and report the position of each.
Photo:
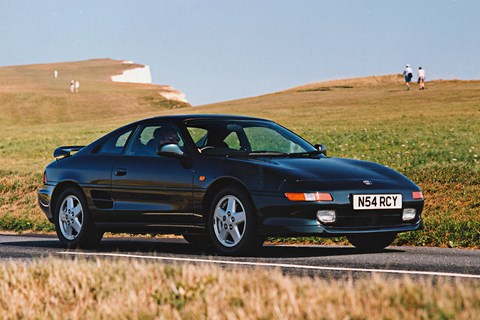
(232, 222)
(73, 224)
(372, 241)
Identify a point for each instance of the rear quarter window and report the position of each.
(115, 144)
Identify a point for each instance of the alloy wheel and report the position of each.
(70, 217)
(229, 221)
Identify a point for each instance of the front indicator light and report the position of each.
(314, 196)
(326, 216)
(417, 195)
(44, 180)
(409, 214)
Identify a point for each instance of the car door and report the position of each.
(152, 189)
(96, 171)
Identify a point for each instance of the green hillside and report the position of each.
(431, 136)
(31, 95)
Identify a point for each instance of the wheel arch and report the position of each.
(218, 185)
(58, 191)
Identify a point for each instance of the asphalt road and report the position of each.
(327, 261)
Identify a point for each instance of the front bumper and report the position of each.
(278, 216)
(316, 229)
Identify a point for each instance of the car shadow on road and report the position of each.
(180, 247)
(299, 251)
(175, 246)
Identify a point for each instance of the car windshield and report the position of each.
(252, 137)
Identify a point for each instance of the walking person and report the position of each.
(77, 86)
(72, 86)
(55, 74)
(421, 78)
(408, 74)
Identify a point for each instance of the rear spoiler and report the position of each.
(65, 151)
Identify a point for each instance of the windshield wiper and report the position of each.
(259, 153)
(306, 153)
(268, 153)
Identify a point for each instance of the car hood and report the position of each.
(340, 173)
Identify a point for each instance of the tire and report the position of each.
(232, 222)
(73, 224)
(371, 242)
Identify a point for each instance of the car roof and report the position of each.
(189, 117)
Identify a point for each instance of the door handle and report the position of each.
(120, 172)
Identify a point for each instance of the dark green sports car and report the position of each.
(224, 181)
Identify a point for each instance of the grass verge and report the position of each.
(121, 289)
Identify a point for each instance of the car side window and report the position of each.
(115, 144)
(232, 141)
(148, 139)
(199, 135)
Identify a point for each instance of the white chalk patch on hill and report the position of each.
(137, 75)
(172, 94)
(143, 75)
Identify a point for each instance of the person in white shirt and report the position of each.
(408, 74)
(421, 78)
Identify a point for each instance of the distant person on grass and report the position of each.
(55, 74)
(77, 86)
(72, 86)
(408, 74)
(421, 78)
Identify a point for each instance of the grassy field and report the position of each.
(30, 95)
(123, 289)
(431, 136)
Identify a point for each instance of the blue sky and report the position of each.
(222, 50)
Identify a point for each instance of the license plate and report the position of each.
(377, 201)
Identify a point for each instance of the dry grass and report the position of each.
(120, 289)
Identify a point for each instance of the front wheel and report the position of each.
(73, 224)
(232, 222)
(371, 242)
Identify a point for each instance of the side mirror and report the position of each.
(321, 148)
(170, 150)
